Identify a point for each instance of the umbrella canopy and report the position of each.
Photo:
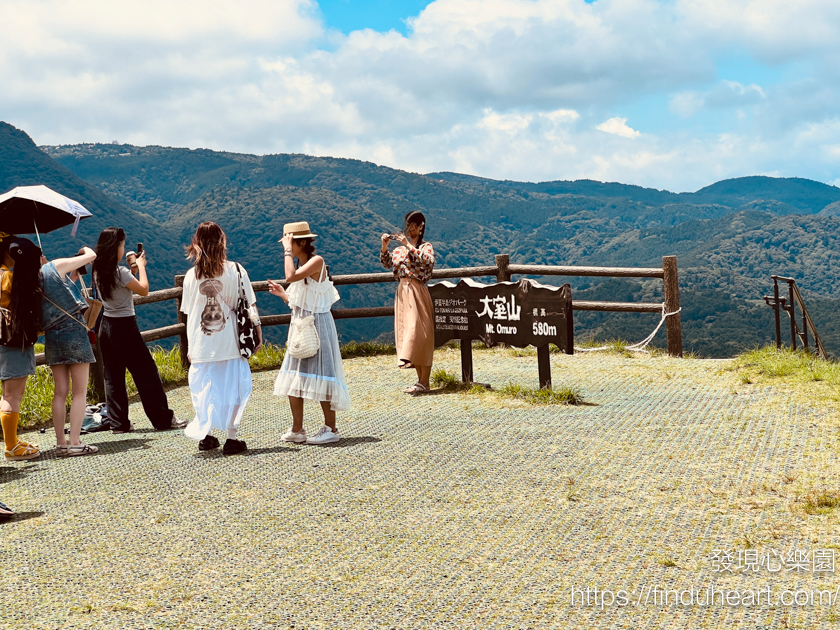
(28, 209)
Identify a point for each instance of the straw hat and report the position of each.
(299, 229)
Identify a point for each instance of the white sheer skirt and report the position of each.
(220, 391)
(320, 377)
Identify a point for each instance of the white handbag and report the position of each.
(303, 339)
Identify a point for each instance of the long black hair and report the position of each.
(418, 218)
(308, 246)
(25, 305)
(104, 270)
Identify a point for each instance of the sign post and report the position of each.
(519, 314)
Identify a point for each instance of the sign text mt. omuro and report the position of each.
(520, 314)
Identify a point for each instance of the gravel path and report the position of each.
(442, 511)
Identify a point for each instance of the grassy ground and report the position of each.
(807, 377)
(37, 401)
(448, 510)
(449, 381)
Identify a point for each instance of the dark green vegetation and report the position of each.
(729, 237)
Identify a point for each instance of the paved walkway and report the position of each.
(443, 511)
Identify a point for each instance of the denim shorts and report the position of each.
(67, 343)
(16, 363)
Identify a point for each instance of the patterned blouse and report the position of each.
(410, 263)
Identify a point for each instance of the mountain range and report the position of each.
(729, 236)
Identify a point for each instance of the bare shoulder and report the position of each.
(317, 266)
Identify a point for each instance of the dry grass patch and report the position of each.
(808, 377)
(449, 382)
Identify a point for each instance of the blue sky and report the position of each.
(673, 94)
(379, 15)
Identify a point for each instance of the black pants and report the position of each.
(123, 348)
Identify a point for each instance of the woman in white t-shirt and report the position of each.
(220, 379)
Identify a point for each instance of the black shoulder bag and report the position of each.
(245, 329)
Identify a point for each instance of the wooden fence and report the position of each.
(502, 271)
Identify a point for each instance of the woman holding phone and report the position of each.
(414, 328)
(122, 344)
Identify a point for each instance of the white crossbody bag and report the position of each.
(303, 339)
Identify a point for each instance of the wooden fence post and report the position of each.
(544, 366)
(673, 324)
(466, 361)
(182, 319)
(502, 264)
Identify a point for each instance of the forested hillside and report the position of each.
(729, 237)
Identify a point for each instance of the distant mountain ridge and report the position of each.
(729, 236)
(803, 196)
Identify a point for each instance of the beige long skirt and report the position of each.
(414, 326)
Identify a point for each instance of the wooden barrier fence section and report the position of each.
(502, 271)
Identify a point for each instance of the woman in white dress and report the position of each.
(220, 379)
(321, 376)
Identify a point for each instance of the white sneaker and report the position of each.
(324, 436)
(291, 436)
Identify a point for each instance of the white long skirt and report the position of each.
(320, 377)
(220, 391)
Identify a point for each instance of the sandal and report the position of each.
(81, 449)
(21, 451)
(417, 388)
(406, 364)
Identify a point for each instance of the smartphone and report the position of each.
(139, 248)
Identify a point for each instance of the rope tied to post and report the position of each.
(637, 347)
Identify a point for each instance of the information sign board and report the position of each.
(524, 313)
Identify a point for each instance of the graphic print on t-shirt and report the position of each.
(213, 317)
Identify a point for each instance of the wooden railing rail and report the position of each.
(502, 271)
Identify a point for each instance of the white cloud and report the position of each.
(733, 94)
(685, 104)
(499, 88)
(618, 127)
(774, 30)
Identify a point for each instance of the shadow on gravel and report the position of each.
(297, 448)
(121, 446)
(267, 451)
(13, 473)
(348, 442)
(20, 516)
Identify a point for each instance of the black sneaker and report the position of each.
(232, 447)
(208, 443)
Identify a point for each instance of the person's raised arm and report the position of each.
(385, 256)
(66, 265)
(141, 285)
(312, 265)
